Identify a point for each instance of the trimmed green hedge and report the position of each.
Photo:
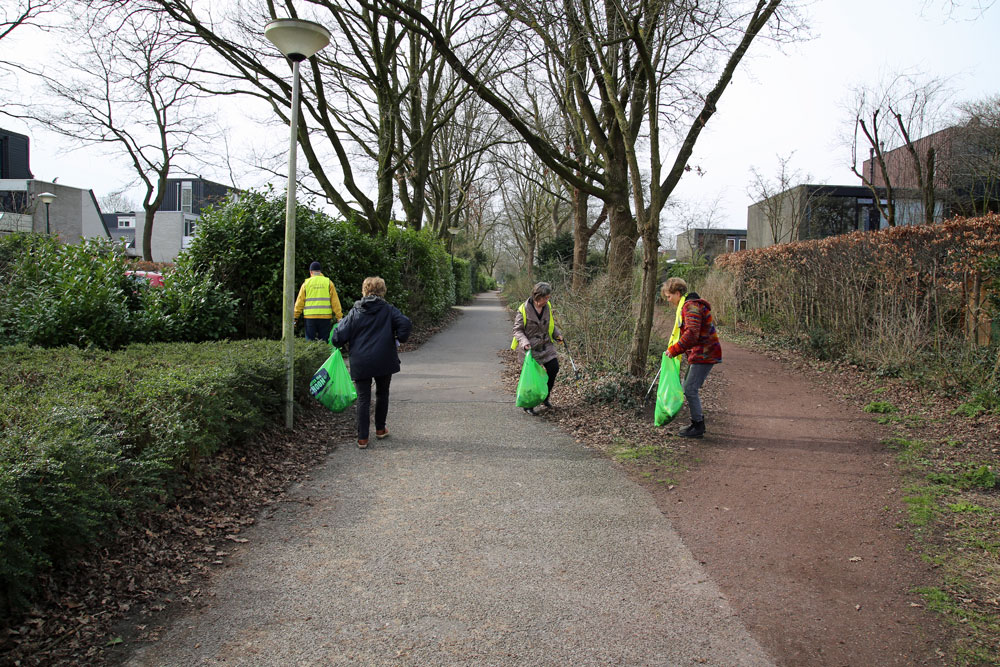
(240, 243)
(88, 437)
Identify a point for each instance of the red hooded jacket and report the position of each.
(698, 336)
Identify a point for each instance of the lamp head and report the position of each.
(297, 39)
(47, 197)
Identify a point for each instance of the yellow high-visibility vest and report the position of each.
(524, 320)
(318, 298)
(676, 334)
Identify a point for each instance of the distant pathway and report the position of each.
(474, 535)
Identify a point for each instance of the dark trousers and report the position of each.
(364, 404)
(318, 328)
(552, 368)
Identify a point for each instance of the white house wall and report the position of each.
(168, 232)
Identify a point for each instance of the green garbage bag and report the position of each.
(669, 393)
(533, 387)
(332, 385)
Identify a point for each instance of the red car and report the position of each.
(154, 279)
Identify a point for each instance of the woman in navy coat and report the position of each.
(374, 329)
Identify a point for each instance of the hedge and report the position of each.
(240, 243)
(89, 437)
(53, 294)
(911, 288)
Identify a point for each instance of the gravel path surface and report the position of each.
(473, 535)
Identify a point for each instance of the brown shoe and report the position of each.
(382, 433)
(363, 443)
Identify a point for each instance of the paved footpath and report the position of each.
(474, 535)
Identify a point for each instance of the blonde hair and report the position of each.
(373, 285)
(675, 285)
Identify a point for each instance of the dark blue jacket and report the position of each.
(372, 328)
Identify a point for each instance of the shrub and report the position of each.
(53, 294)
(882, 296)
(558, 249)
(426, 281)
(58, 294)
(462, 269)
(414, 265)
(89, 437)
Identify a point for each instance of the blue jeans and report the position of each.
(318, 328)
(692, 384)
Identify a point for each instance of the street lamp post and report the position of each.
(47, 198)
(297, 40)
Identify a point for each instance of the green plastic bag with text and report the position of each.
(669, 393)
(533, 387)
(332, 385)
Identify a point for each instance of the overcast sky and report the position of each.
(779, 102)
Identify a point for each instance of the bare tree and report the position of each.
(25, 13)
(898, 114)
(526, 194)
(649, 64)
(973, 163)
(373, 99)
(129, 88)
(116, 201)
(459, 152)
(784, 210)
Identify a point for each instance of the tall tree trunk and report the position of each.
(623, 237)
(581, 237)
(152, 204)
(529, 257)
(647, 301)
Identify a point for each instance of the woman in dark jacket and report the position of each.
(374, 329)
(536, 330)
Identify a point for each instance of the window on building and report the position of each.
(186, 196)
(189, 226)
(126, 223)
(735, 243)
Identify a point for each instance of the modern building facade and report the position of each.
(966, 162)
(704, 245)
(811, 212)
(73, 215)
(174, 224)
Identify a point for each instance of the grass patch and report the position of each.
(658, 463)
(880, 407)
(625, 451)
(974, 476)
(979, 647)
(910, 452)
(962, 507)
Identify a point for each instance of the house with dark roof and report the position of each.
(72, 215)
(175, 223)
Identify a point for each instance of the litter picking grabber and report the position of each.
(576, 371)
(653, 384)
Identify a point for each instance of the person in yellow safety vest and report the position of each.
(535, 329)
(318, 302)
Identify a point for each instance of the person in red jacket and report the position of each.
(700, 341)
